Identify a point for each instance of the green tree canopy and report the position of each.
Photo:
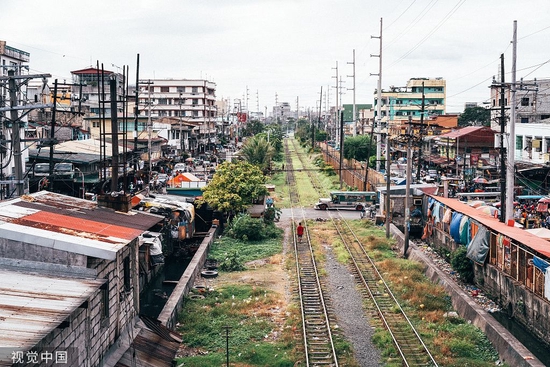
(358, 147)
(253, 127)
(234, 187)
(258, 151)
(475, 116)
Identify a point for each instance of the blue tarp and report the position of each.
(455, 226)
(539, 263)
(479, 247)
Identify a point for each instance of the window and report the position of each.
(126, 269)
(525, 101)
(195, 102)
(525, 120)
(195, 113)
(194, 90)
(163, 101)
(164, 89)
(519, 142)
(95, 124)
(104, 300)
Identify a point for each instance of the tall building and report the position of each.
(398, 103)
(191, 101)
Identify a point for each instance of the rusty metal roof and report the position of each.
(154, 346)
(71, 224)
(34, 304)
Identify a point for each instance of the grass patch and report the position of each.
(226, 248)
(256, 337)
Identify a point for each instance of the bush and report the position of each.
(462, 265)
(232, 263)
(245, 228)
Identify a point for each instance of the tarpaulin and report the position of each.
(455, 226)
(479, 247)
(540, 263)
(465, 230)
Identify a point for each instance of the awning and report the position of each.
(479, 247)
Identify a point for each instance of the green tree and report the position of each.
(258, 151)
(475, 116)
(234, 187)
(358, 147)
(252, 128)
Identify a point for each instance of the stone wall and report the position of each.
(169, 314)
(25, 251)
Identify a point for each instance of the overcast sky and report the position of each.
(287, 48)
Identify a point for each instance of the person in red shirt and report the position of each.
(300, 231)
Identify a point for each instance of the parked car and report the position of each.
(64, 170)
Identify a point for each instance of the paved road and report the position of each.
(311, 213)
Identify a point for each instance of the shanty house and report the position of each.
(70, 285)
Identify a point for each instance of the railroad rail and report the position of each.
(319, 347)
(407, 340)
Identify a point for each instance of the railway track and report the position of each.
(319, 347)
(406, 339)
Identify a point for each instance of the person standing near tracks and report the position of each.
(300, 231)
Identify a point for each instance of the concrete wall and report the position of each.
(169, 314)
(25, 251)
(510, 350)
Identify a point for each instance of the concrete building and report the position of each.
(190, 100)
(532, 128)
(70, 273)
(400, 103)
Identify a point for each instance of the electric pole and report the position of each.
(510, 174)
(378, 120)
(337, 112)
(353, 119)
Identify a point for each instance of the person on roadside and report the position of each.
(300, 231)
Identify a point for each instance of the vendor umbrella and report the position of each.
(545, 199)
(490, 210)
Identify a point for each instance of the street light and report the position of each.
(83, 189)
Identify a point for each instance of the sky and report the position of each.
(265, 52)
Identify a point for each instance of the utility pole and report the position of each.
(378, 119)
(136, 119)
(353, 119)
(337, 113)
(502, 149)
(420, 133)
(341, 155)
(408, 189)
(510, 174)
(13, 88)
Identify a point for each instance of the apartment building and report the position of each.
(190, 102)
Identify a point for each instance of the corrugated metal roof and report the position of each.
(71, 224)
(154, 346)
(34, 304)
(517, 234)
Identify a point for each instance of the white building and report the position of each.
(191, 101)
(532, 128)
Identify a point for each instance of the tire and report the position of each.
(359, 207)
(323, 207)
(209, 273)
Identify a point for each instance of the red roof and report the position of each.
(519, 235)
(90, 71)
(467, 131)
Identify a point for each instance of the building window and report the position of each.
(164, 89)
(127, 279)
(195, 113)
(195, 102)
(163, 101)
(194, 90)
(95, 124)
(525, 120)
(519, 142)
(104, 300)
(525, 101)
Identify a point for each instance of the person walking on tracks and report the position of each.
(300, 231)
